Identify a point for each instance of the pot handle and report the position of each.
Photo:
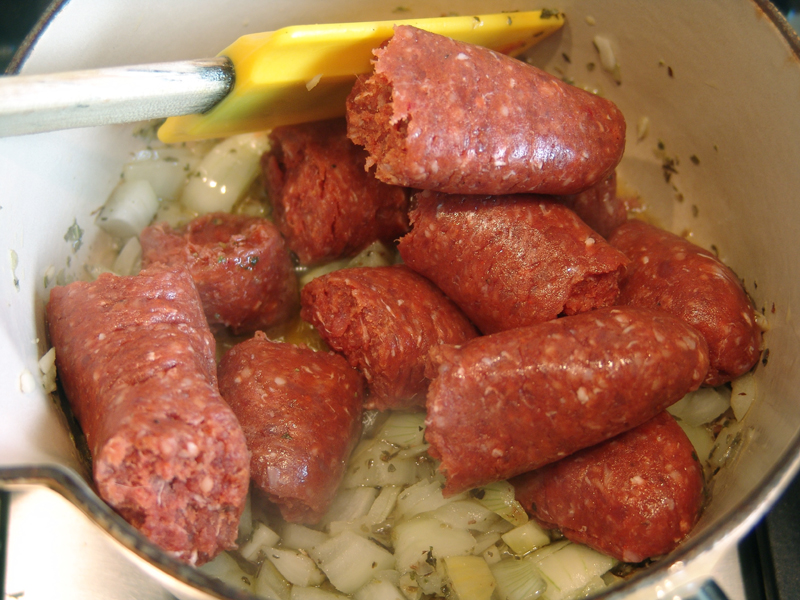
(705, 590)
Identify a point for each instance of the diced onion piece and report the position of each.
(466, 514)
(296, 567)
(499, 498)
(263, 539)
(246, 520)
(743, 394)
(569, 568)
(351, 561)
(423, 496)
(729, 443)
(701, 438)
(404, 429)
(470, 577)
(270, 584)
(518, 579)
(313, 593)
(375, 463)
(47, 367)
(130, 208)
(129, 259)
(225, 174)
(225, 568)
(165, 169)
(321, 270)
(377, 254)
(492, 554)
(379, 511)
(607, 58)
(425, 538)
(300, 537)
(526, 538)
(383, 587)
(173, 214)
(701, 406)
(349, 504)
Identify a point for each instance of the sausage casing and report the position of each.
(633, 497)
(511, 402)
(136, 359)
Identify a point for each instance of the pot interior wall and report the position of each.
(715, 81)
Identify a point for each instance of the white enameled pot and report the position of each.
(713, 85)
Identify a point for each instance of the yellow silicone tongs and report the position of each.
(292, 75)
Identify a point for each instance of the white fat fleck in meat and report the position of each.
(659, 336)
(280, 380)
(637, 480)
(462, 56)
(497, 453)
(589, 241)
(583, 395)
(645, 260)
(207, 484)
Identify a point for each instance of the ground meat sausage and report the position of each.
(325, 203)
(507, 403)
(384, 320)
(301, 415)
(136, 359)
(511, 261)
(599, 206)
(444, 115)
(633, 497)
(671, 273)
(240, 265)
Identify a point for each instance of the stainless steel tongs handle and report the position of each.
(36, 103)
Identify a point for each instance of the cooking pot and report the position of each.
(710, 93)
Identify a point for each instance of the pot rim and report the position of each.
(728, 530)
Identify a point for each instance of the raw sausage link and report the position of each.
(326, 205)
(240, 265)
(633, 497)
(301, 415)
(443, 115)
(384, 320)
(670, 273)
(511, 261)
(599, 206)
(510, 402)
(136, 359)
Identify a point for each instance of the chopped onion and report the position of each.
(226, 569)
(425, 538)
(499, 497)
(312, 593)
(262, 540)
(701, 406)
(742, 395)
(423, 496)
(225, 174)
(518, 579)
(129, 259)
(130, 208)
(296, 567)
(526, 538)
(166, 169)
(701, 438)
(467, 514)
(376, 463)
(569, 568)
(470, 577)
(404, 429)
(379, 589)
(351, 561)
(349, 504)
(300, 537)
(270, 584)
